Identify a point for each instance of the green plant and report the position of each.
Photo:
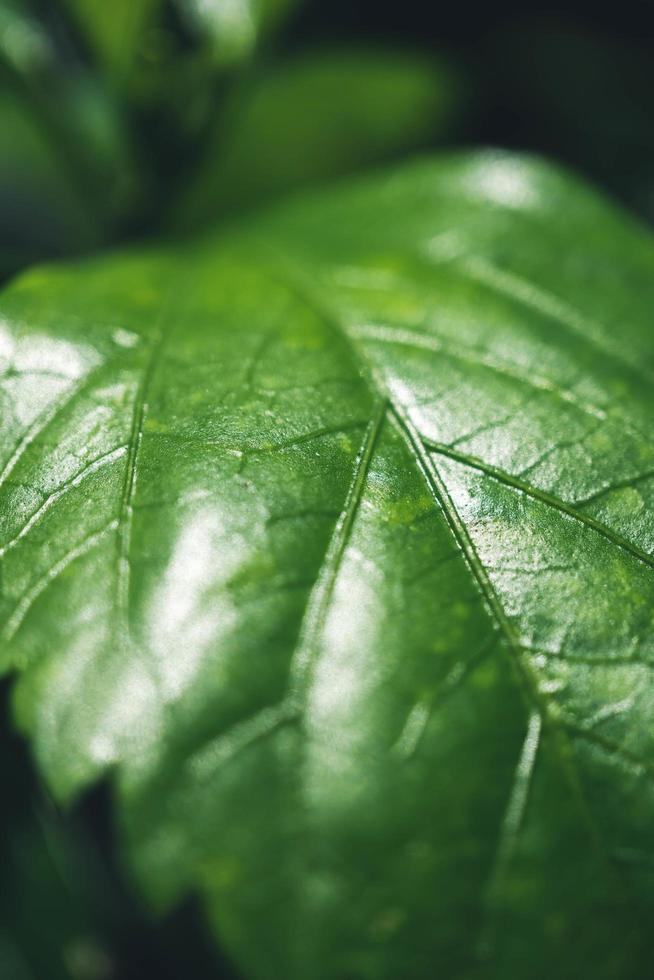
(327, 540)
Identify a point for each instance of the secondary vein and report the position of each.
(319, 599)
(543, 497)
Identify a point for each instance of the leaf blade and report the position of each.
(373, 644)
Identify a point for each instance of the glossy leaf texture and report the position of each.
(330, 539)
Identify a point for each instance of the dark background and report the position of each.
(570, 80)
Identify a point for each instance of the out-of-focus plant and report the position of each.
(127, 118)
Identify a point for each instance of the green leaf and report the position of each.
(233, 28)
(330, 539)
(43, 880)
(42, 210)
(315, 117)
(115, 31)
(67, 170)
(24, 44)
(130, 34)
(47, 875)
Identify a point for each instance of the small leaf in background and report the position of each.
(329, 539)
(316, 117)
(65, 912)
(48, 888)
(42, 211)
(66, 168)
(24, 44)
(115, 30)
(232, 28)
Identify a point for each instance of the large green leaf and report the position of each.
(331, 539)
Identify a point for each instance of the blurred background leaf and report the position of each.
(41, 208)
(66, 912)
(115, 31)
(231, 29)
(104, 108)
(318, 116)
(49, 908)
(123, 120)
(66, 173)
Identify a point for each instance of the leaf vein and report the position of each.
(318, 603)
(543, 497)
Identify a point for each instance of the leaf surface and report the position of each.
(331, 539)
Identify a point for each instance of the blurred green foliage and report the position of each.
(126, 119)
(138, 118)
(115, 32)
(315, 116)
